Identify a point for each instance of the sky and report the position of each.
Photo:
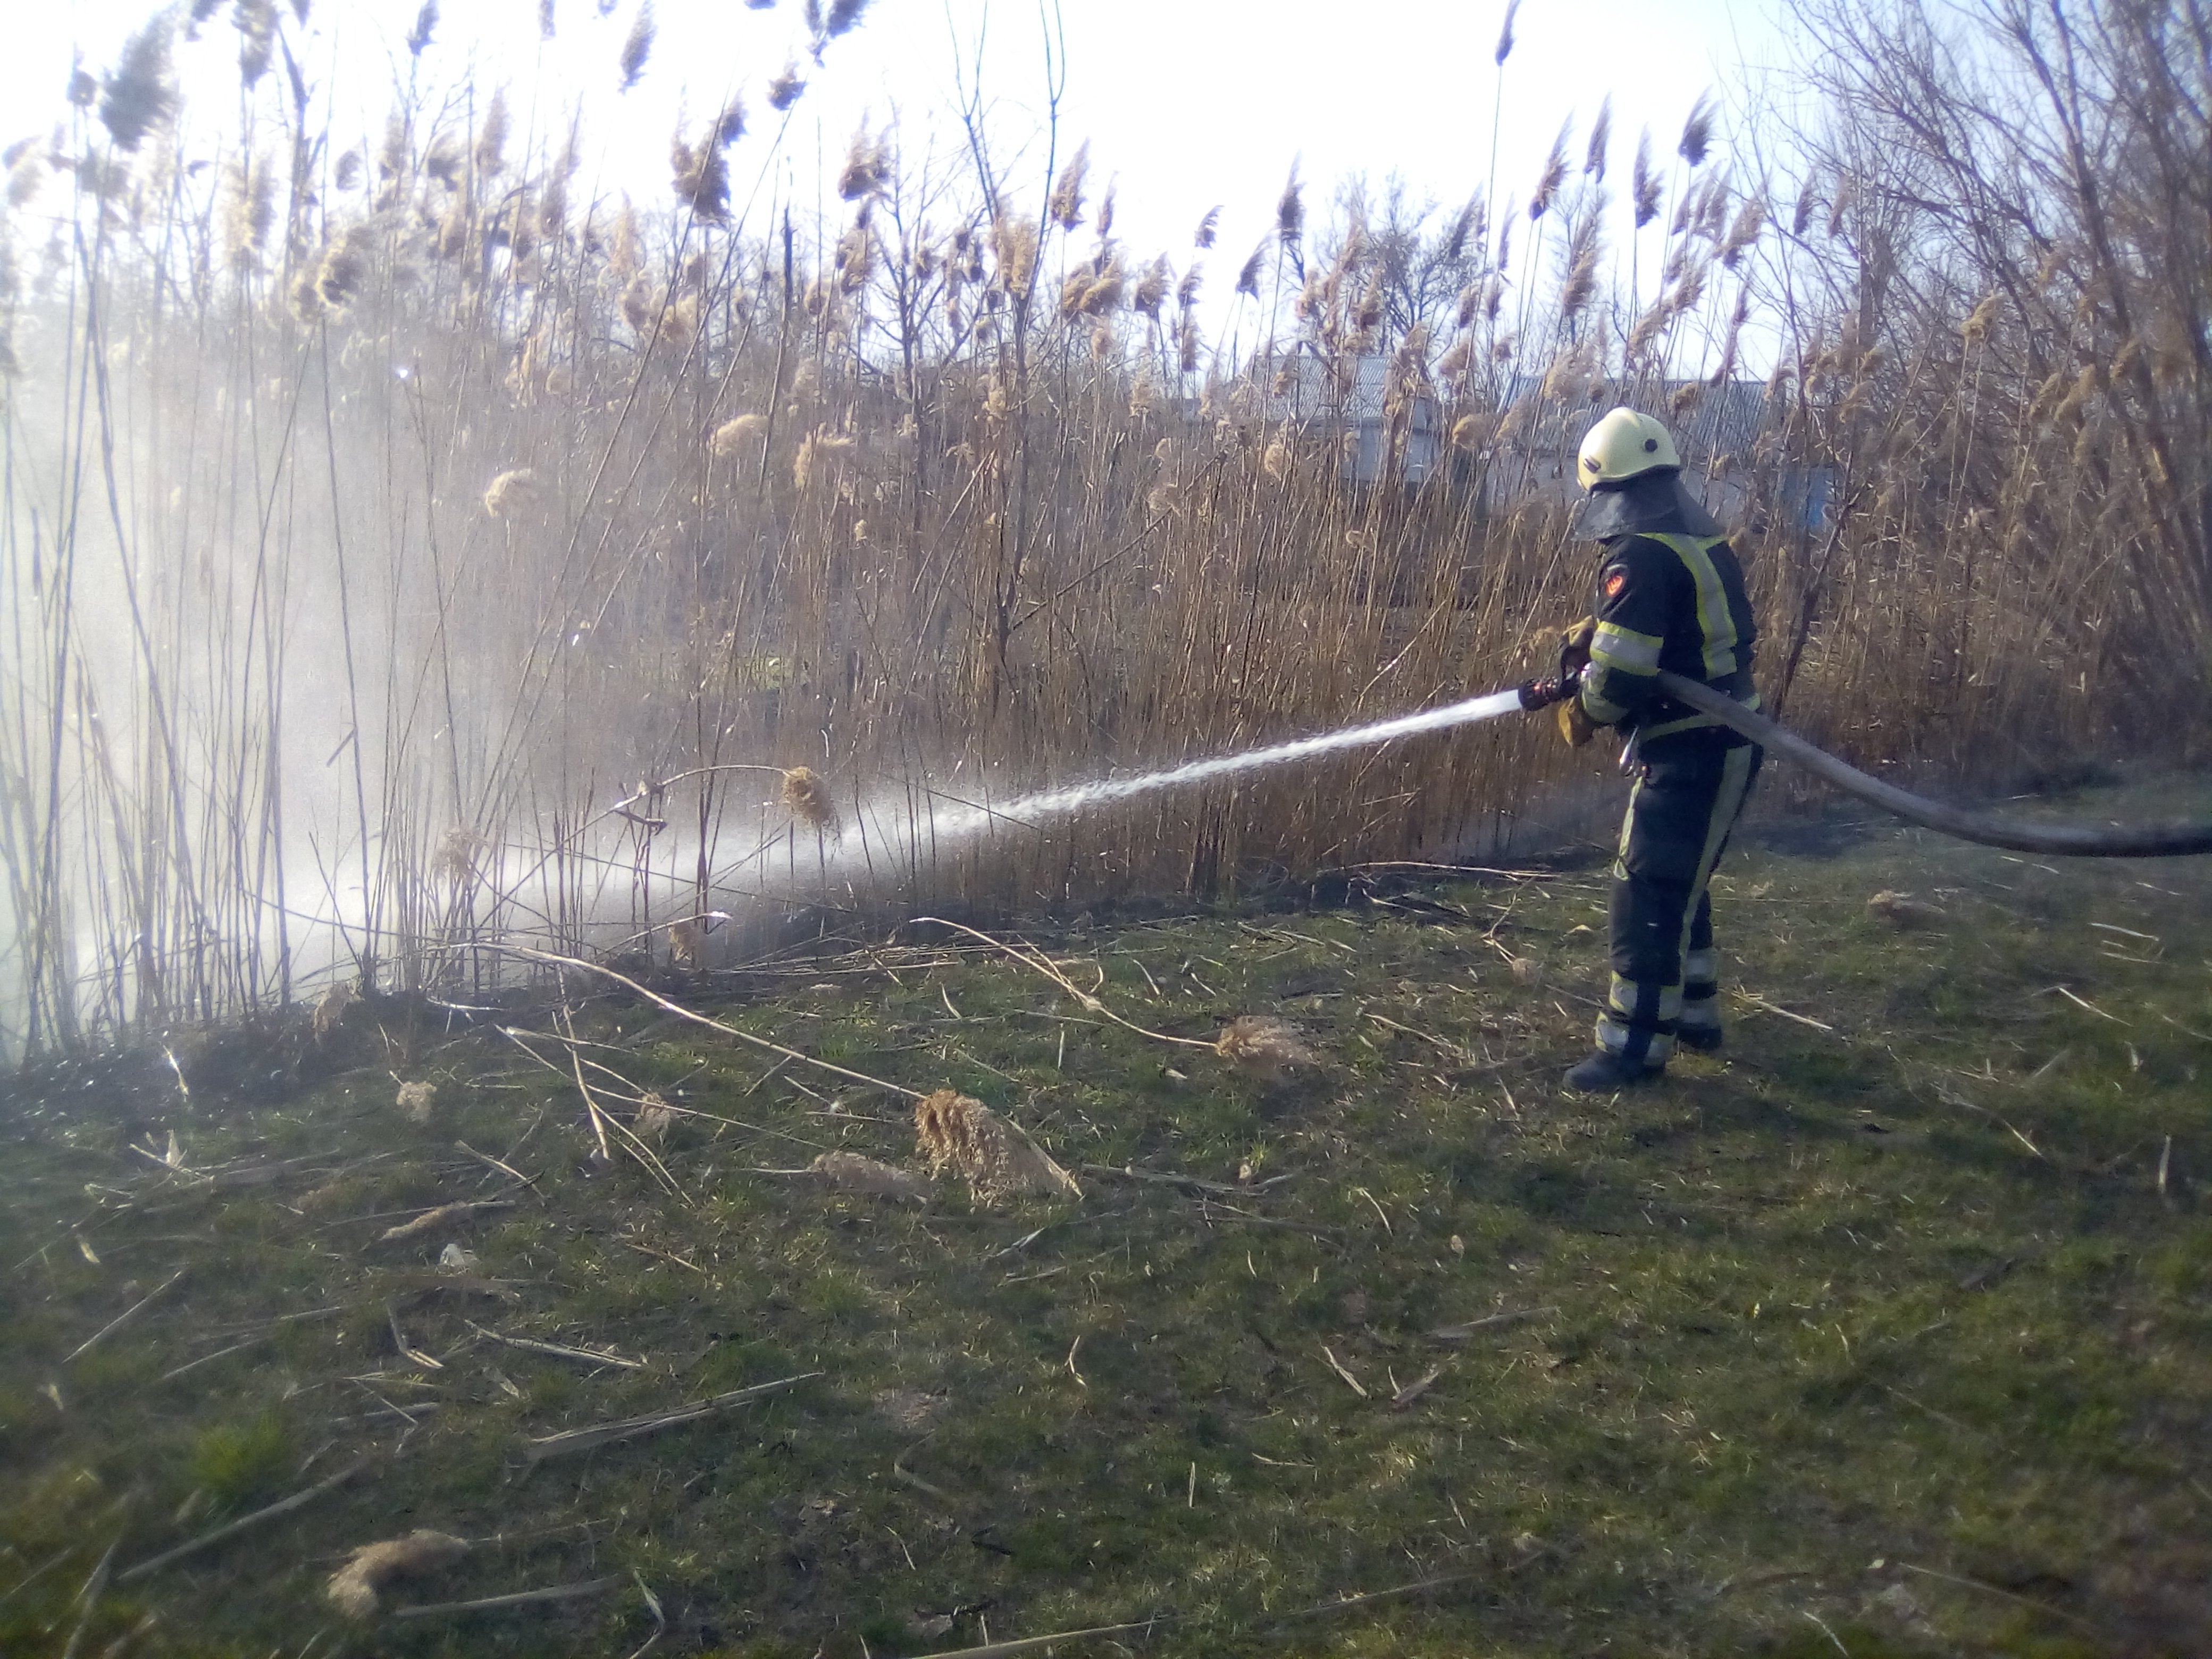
(1186, 104)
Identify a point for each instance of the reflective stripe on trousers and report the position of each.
(1664, 972)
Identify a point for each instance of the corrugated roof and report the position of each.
(1724, 420)
(1315, 389)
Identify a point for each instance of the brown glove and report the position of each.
(1575, 647)
(1576, 727)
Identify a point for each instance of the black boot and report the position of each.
(1604, 1071)
(1705, 1039)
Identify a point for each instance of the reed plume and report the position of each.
(808, 798)
(1644, 190)
(843, 17)
(997, 1158)
(1151, 290)
(354, 1588)
(138, 96)
(1554, 173)
(1271, 1049)
(636, 47)
(491, 138)
(256, 22)
(1711, 219)
(1697, 131)
(1015, 247)
(1808, 202)
(701, 178)
(1581, 258)
(1750, 220)
(655, 1116)
(866, 169)
(510, 493)
(251, 211)
(1291, 211)
(1975, 329)
(1601, 141)
(739, 435)
(1064, 205)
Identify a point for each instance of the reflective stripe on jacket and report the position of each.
(1672, 602)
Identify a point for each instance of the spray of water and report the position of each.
(1028, 809)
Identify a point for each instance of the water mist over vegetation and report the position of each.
(404, 556)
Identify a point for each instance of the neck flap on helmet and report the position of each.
(1655, 500)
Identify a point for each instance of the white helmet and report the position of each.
(1625, 445)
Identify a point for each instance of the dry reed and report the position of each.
(850, 1172)
(997, 1158)
(808, 796)
(1270, 1049)
(655, 1117)
(961, 494)
(1903, 910)
(354, 1587)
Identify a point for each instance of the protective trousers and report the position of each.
(1665, 979)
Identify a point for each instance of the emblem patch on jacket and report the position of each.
(1615, 579)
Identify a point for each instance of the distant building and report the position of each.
(1380, 438)
(1715, 428)
(1353, 408)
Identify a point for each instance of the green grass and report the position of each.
(1881, 1333)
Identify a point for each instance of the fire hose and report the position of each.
(2075, 841)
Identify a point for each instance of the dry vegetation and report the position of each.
(379, 512)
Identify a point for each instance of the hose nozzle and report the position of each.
(1543, 693)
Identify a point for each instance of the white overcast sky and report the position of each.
(1189, 103)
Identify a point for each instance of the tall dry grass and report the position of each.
(406, 557)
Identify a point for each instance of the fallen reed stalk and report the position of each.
(606, 1434)
(796, 1055)
(122, 1319)
(554, 1350)
(244, 1523)
(528, 1598)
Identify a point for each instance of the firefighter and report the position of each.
(1670, 596)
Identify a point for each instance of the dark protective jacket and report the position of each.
(1670, 596)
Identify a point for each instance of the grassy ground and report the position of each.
(1889, 1335)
